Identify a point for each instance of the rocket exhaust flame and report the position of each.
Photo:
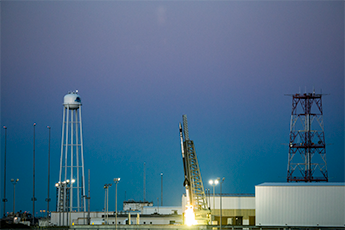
(189, 216)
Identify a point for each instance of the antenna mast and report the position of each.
(307, 152)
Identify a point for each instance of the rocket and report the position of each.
(186, 181)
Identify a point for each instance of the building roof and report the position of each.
(303, 184)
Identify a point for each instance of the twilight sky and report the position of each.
(140, 65)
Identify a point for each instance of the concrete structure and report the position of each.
(74, 217)
(275, 205)
(237, 209)
(297, 204)
(133, 213)
(132, 205)
(99, 218)
(164, 210)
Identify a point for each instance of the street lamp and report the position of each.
(106, 187)
(221, 182)
(14, 182)
(58, 203)
(116, 181)
(63, 186)
(214, 183)
(70, 208)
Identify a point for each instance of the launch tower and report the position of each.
(307, 152)
(196, 199)
(71, 186)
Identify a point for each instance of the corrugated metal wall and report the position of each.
(228, 202)
(287, 205)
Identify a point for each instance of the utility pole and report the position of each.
(116, 181)
(14, 182)
(33, 183)
(48, 199)
(5, 200)
(144, 182)
(221, 182)
(161, 189)
(88, 202)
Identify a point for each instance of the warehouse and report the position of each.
(297, 204)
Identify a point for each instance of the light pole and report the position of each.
(33, 181)
(62, 205)
(158, 205)
(48, 199)
(58, 203)
(69, 198)
(214, 183)
(116, 181)
(88, 199)
(221, 182)
(5, 200)
(106, 199)
(208, 197)
(14, 182)
(161, 189)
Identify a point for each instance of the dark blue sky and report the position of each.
(140, 65)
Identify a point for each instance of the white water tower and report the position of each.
(71, 186)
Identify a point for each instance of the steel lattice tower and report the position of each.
(193, 180)
(71, 186)
(307, 152)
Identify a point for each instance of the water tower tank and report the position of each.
(72, 100)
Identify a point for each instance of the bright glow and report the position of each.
(73, 181)
(215, 182)
(189, 216)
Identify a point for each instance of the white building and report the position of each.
(164, 210)
(237, 209)
(132, 205)
(274, 204)
(300, 204)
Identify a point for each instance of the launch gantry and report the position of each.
(196, 199)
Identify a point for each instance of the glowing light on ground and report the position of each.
(189, 216)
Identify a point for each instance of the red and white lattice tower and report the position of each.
(307, 147)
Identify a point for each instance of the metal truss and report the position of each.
(307, 152)
(193, 177)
